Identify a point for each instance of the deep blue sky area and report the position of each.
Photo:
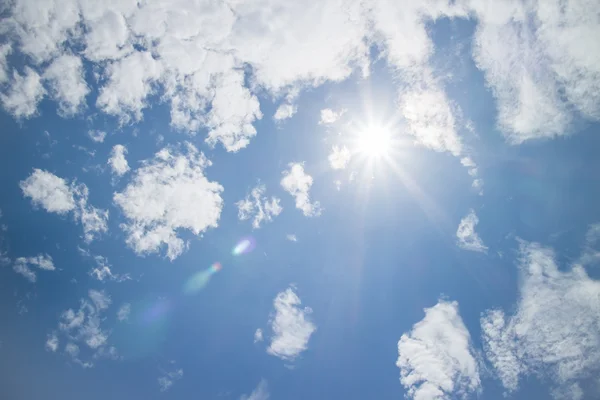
(204, 200)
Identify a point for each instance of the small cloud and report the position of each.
(97, 136)
(48, 191)
(339, 157)
(258, 335)
(260, 393)
(258, 207)
(291, 237)
(42, 261)
(291, 326)
(100, 299)
(284, 111)
(117, 160)
(52, 343)
(297, 183)
(328, 116)
(168, 379)
(124, 311)
(468, 239)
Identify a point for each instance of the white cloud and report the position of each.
(42, 261)
(436, 357)
(48, 191)
(5, 50)
(328, 116)
(291, 326)
(260, 393)
(102, 270)
(285, 111)
(124, 311)
(117, 160)
(94, 220)
(339, 157)
(258, 207)
(297, 183)
(591, 253)
(52, 342)
(536, 339)
(24, 94)
(97, 136)
(166, 381)
(67, 84)
(169, 192)
(258, 336)
(100, 299)
(468, 239)
(291, 237)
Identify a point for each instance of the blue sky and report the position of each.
(269, 200)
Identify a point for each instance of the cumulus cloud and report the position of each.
(297, 183)
(258, 207)
(167, 193)
(67, 84)
(52, 343)
(260, 393)
(23, 265)
(436, 358)
(25, 92)
(82, 327)
(117, 160)
(285, 111)
(468, 239)
(291, 325)
(329, 116)
(48, 191)
(536, 339)
(258, 335)
(97, 136)
(93, 220)
(339, 157)
(168, 379)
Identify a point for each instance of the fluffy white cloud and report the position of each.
(97, 136)
(83, 327)
(468, 239)
(124, 311)
(52, 342)
(42, 261)
(67, 84)
(536, 339)
(48, 191)
(436, 357)
(93, 220)
(339, 157)
(167, 193)
(291, 237)
(260, 393)
(117, 160)
(5, 50)
(258, 336)
(285, 111)
(24, 94)
(297, 183)
(329, 116)
(258, 207)
(168, 379)
(291, 326)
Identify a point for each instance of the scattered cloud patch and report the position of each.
(117, 161)
(591, 253)
(24, 94)
(67, 84)
(258, 207)
(52, 342)
(258, 336)
(23, 266)
(291, 326)
(167, 193)
(436, 358)
(329, 116)
(124, 311)
(291, 237)
(468, 239)
(48, 191)
(535, 339)
(97, 136)
(285, 111)
(297, 183)
(169, 378)
(339, 157)
(261, 392)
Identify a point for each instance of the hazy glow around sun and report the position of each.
(374, 141)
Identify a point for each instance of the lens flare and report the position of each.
(244, 246)
(199, 280)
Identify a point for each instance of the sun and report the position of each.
(374, 141)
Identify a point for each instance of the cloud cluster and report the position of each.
(22, 266)
(258, 207)
(297, 183)
(167, 193)
(54, 195)
(468, 239)
(536, 339)
(436, 358)
(82, 328)
(117, 161)
(291, 326)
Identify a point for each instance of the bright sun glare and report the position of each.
(374, 141)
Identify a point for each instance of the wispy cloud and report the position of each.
(260, 393)
(468, 239)
(22, 265)
(258, 207)
(166, 381)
